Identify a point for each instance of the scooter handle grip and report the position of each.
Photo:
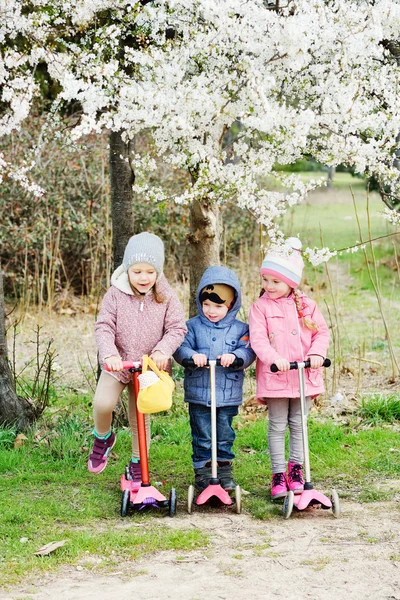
(294, 365)
(189, 362)
(126, 364)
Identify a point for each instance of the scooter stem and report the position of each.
(307, 471)
(213, 399)
(144, 465)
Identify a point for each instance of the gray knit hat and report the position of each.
(144, 248)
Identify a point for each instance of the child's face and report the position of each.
(275, 288)
(142, 276)
(214, 312)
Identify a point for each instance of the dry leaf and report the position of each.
(20, 440)
(50, 547)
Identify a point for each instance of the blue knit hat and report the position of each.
(144, 248)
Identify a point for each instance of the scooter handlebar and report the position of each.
(295, 365)
(127, 364)
(189, 362)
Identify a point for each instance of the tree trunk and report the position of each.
(122, 178)
(13, 410)
(204, 241)
(331, 175)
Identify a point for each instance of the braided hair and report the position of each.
(309, 323)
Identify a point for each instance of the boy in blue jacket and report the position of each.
(215, 333)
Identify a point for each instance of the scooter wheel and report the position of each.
(127, 474)
(126, 495)
(335, 504)
(238, 499)
(288, 504)
(172, 502)
(190, 496)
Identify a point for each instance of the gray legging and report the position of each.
(281, 413)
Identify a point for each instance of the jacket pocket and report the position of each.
(314, 377)
(276, 382)
(233, 384)
(276, 328)
(195, 378)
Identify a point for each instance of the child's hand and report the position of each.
(200, 360)
(226, 359)
(282, 364)
(114, 363)
(316, 361)
(160, 359)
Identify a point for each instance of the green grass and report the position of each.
(380, 409)
(48, 495)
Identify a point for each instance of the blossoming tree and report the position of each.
(316, 78)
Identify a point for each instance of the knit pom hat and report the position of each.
(220, 293)
(144, 248)
(285, 266)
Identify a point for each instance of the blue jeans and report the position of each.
(200, 422)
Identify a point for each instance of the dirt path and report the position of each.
(310, 556)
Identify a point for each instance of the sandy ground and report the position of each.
(312, 555)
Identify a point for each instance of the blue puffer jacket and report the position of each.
(213, 339)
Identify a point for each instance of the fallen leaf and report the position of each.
(50, 547)
(20, 440)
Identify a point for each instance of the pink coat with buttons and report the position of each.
(276, 331)
(129, 327)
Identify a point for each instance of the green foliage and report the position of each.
(380, 409)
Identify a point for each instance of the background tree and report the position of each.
(309, 79)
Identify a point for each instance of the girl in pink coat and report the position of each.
(140, 314)
(286, 326)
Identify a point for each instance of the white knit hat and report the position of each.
(144, 248)
(287, 267)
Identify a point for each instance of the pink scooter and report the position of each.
(309, 497)
(214, 491)
(142, 495)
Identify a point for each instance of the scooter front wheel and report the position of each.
(288, 504)
(238, 499)
(125, 500)
(190, 496)
(335, 504)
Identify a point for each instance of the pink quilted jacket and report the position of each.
(129, 327)
(276, 331)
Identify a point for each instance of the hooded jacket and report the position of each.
(277, 332)
(130, 326)
(214, 339)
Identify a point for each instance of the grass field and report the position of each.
(54, 497)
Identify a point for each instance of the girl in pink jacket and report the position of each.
(286, 326)
(140, 314)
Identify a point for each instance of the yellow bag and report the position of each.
(156, 388)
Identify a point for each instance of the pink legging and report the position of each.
(105, 400)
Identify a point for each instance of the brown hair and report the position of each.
(158, 297)
(309, 323)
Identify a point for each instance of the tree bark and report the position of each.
(204, 239)
(122, 178)
(13, 410)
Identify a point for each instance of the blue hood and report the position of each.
(220, 275)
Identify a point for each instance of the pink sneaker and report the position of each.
(135, 474)
(101, 449)
(279, 487)
(295, 478)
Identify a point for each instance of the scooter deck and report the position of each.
(214, 491)
(311, 498)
